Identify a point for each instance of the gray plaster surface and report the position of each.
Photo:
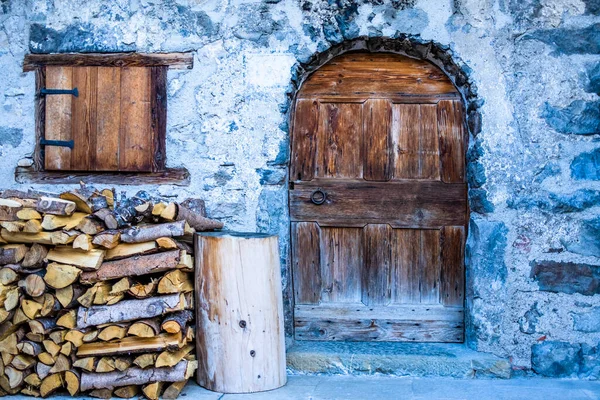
(399, 359)
(405, 388)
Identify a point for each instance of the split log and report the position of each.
(134, 266)
(49, 305)
(127, 212)
(51, 347)
(101, 393)
(122, 286)
(50, 238)
(34, 285)
(42, 370)
(42, 326)
(90, 336)
(59, 276)
(85, 202)
(61, 364)
(32, 226)
(147, 233)
(169, 213)
(30, 348)
(107, 239)
(106, 364)
(170, 358)
(129, 310)
(167, 243)
(35, 256)
(109, 194)
(50, 384)
(152, 390)
(66, 348)
(112, 332)
(196, 221)
(53, 222)
(122, 363)
(132, 345)
(83, 242)
(9, 209)
(145, 360)
(143, 291)
(176, 322)
(12, 253)
(68, 320)
(12, 299)
(72, 379)
(15, 377)
(58, 337)
(248, 335)
(27, 214)
(13, 226)
(33, 379)
(54, 206)
(124, 250)
(145, 328)
(86, 363)
(175, 281)
(106, 216)
(173, 390)
(75, 337)
(90, 226)
(127, 392)
(31, 308)
(68, 295)
(22, 361)
(137, 376)
(8, 276)
(86, 260)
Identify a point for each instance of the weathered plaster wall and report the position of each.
(532, 67)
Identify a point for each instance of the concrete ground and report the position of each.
(400, 388)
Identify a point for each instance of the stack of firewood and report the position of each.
(96, 294)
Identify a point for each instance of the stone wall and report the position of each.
(530, 74)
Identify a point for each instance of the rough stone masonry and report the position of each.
(530, 74)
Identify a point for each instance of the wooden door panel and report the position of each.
(357, 322)
(401, 204)
(452, 271)
(378, 141)
(341, 264)
(306, 256)
(452, 140)
(304, 143)
(136, 131)
(106, 155)
(85, 79)
(376, 285)
(339, 141)
(58, 118)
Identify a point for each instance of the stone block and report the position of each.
(570, 41)
(587, 243)
(588, 322)
(10, 136)
(586, 166)
(566, 277)
(556, 359)
(578, 118)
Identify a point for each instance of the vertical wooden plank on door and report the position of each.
(83, 124)
(108, 102)
(341, 264)
(377, 115)
(306, 262)
(429, 151)
(452, 141)
(429, 266)
(406, 247)
(376, 277)
(135, 145)
(452, 266)
(158, 98)
(405, 135)
(339, 144)
(304, 140)
(58, 118)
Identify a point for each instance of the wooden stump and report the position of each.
(239, 307)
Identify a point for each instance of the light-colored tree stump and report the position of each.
(239, 307)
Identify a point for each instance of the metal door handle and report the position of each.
(318, 196)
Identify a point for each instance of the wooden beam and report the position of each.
(171, 60)
(133, 344)
(171, 176)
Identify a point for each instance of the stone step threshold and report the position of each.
(395, 359)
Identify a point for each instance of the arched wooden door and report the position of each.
(378, 202)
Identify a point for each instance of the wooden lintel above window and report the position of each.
(171, 60)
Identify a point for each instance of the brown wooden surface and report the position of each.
(83, 123)
(158, 109)
(357, 322)
(376, 74)
(106, 154)
(58, 117)
(135, 147)
(382, 258)
(172, 60)
(402, 204)
(171, 176)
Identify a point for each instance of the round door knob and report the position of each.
(318, 197)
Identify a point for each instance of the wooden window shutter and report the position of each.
(117, 121)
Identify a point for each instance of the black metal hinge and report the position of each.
(73, 91)
(59, 143)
